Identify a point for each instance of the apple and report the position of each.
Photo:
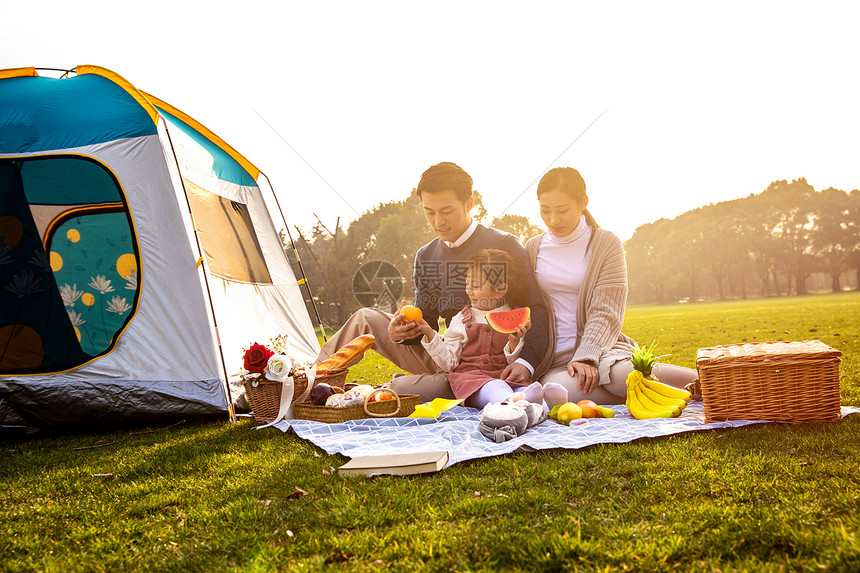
(589, 409)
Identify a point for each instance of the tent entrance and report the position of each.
(69, 263)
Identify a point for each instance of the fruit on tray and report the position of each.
(507, 321)
(346, 354)
(320, 393)
(381, 396)
(647, 397)
(410, 313)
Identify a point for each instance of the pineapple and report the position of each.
(643, 359)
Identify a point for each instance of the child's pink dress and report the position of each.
(481, 359)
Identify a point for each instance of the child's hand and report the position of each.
(426, 329)
(514, 338)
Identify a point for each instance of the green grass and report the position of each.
(214, 496)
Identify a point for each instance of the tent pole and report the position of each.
(201, 261)
(298, 258)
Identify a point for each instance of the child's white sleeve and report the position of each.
(445, 348)
(511, 356)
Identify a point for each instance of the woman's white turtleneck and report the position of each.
(560, 268)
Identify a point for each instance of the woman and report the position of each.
(582, 272)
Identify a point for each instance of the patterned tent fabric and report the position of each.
(456, 431)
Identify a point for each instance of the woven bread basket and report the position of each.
(402, 405)
(265, 396)
(779, 381)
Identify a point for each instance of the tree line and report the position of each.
(767, 244)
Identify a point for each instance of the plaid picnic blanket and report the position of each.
(456, 430)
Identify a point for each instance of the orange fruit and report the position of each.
(411, 313)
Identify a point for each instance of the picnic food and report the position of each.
(666, 390)
(568, 412)
(606, 412)
(647, 397)
(346, 354)
(508, 321)
(589, 408)
(643, 359)
(381, 396)
(410, 313)
(320, 393)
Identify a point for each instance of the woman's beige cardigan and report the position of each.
(600, 310)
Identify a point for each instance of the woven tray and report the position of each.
(265, 397)
(402, 405)
(780, 381)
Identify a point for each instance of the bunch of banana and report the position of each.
(647, 397)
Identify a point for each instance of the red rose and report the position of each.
(256, 358)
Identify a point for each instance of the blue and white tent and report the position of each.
(137, 256)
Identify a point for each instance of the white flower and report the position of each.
(70, 294)
(24, 284)
(131, 280)
(75, 318)
(278, 367)
(279, 344)
(118, 305)
(101, 283)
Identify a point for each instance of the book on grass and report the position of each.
(397, 464)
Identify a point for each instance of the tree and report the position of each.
(648, 261)
(517, 225)
(853, 259)
(794, 227)
(832, 238)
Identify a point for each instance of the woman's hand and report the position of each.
(589, 378)
(514, 337)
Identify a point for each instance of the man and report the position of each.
(445, 192)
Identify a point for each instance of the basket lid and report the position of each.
(757, 351)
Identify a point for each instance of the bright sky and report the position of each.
(662, 106)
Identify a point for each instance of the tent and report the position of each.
(138, 257)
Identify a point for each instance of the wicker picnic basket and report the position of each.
(265, 396)
(402, 405)
(780, 381)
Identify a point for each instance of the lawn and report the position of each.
(208, 495)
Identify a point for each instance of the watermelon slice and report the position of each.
(507, 321)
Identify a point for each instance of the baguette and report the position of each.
(346, 354)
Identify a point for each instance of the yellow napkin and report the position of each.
(433, 408)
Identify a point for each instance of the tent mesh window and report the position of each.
(68, 263)
(228, 237)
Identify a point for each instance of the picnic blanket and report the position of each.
(456, 431)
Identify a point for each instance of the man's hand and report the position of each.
(588, 376)
(400, 330)
(516, 373)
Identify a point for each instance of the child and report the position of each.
(473, 354)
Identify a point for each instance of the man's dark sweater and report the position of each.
(440, 285)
